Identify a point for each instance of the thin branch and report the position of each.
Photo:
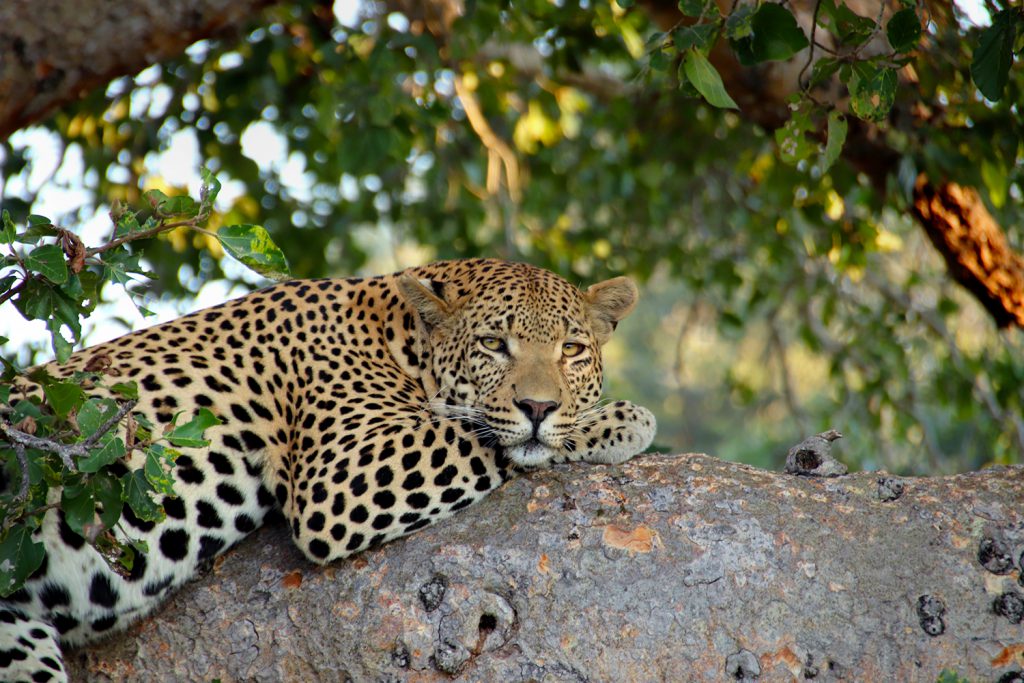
(11, 292)
(788, 393)
(145, 234)
(11, 521)
(810, 54)
(496, 147)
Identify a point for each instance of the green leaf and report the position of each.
(701, 36)
(158, 462)
(904, 30)
(37, 231)
(837, 128)
(109, 450)
(107, 490)
(137, 493)
(996, 177)
(19, 557)
(190, 435)
(79, 508)
(251, 245)
(211, 187)
(823, 70)
(62, 348)
(738, 24)
(874, 95)
(94, 413)
(180, 205)
(127, 389)
(7, 230)
(775, 35)
(990, 68)
(48, 261)
(848, 27)
(706, 80)
(793, 141)
(63, 397)
(127, 224)
(697, 8)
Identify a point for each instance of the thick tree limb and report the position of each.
(974, 247)
(53, 52)
(666, 568)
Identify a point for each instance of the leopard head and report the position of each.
(517, 351)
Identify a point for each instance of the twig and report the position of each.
(63, 450)
(496, 147)
(11, 521)
(152, 232)
(810, 54)
(11, 292)
(788, 394)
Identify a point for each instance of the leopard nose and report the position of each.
(536, 410)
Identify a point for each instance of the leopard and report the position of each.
(359, 409)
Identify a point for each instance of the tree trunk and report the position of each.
(665, 568)
(53, 52)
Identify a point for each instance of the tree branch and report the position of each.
(973, 246)
(52, 52)
(666, 564)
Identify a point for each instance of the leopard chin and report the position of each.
(531, 453)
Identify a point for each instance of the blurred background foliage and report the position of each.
(779, 299)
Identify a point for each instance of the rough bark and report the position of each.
(666, 568)
(53, 52)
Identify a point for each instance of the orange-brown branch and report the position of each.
(976, 251)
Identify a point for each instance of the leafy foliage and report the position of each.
(64, 439)
(787, 290)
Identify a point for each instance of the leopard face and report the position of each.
(519, 357)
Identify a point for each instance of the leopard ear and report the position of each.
(427, 297)
(609, 302)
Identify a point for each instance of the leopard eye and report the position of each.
(572, 349)
(492, 344)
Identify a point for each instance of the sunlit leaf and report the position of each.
(127, 389)
(159, 460)
(251, 245)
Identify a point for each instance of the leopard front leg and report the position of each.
(610, 434)
(385, 478)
